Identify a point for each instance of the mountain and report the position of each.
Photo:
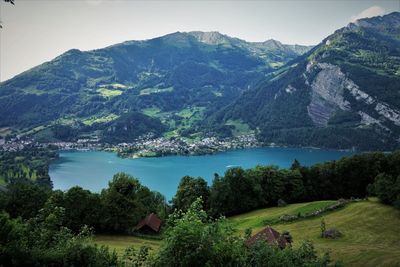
(165, 78)
(344, 93)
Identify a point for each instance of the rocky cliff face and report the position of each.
(327, 91)
(328, 96)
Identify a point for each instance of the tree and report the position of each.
(323, 227)
(193, 239)
(294, 189)
(81, 208)
(189, 189)
(272, 183)
(387, 188)
(126, 202)
(25, 199)
(42, 241)
(220, 197)
(120, 200)
(295, 165)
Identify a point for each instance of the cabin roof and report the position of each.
(269, 235)
(152, 221)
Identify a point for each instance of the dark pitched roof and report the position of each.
(151, 221)
(269, 235)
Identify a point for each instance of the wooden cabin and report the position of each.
(150, 224)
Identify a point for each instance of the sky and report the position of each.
(36, 31)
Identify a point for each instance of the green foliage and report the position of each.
(193, 239)
(244, 190)
(278, 106)
(387, 188)
(24, 199)
(305, 255)
(134, 76)
(126, 201)
(133, 258)
(323, 227)
(42, 241)
(64, 132)
(189, 189)
(117, 209)
(81, 208)
(29, 164)
(130, 126)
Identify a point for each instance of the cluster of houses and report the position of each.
(14, 144)
(146, 145)
(180, 146)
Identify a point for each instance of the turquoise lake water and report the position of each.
(93, 169)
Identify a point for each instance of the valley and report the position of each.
(134, 134)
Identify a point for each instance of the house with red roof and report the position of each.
(270, 236)
(151, 223)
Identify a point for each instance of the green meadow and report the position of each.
(370, 231)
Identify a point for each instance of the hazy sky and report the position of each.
(35, 31)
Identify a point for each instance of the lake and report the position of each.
(93, 169)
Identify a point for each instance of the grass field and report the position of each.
(371, 231)
(107, 118)
(152, 112)
(109, 93)
(121, 242)
(5, 131)
(240, 127)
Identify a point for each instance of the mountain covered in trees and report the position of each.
(343, 93)
(104, 88)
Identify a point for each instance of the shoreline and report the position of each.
(161, 147)
(135, 156)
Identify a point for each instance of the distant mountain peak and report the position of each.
(213, 37)
(273, 43)
(379, 22)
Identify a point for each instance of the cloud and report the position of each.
(372, 11)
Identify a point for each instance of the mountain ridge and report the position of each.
(343, 90)
(193, 84)
(171, 73)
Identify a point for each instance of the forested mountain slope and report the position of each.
(160, 77)
(344, 93)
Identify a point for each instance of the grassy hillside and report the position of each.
(255, 219)
(370, 231)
